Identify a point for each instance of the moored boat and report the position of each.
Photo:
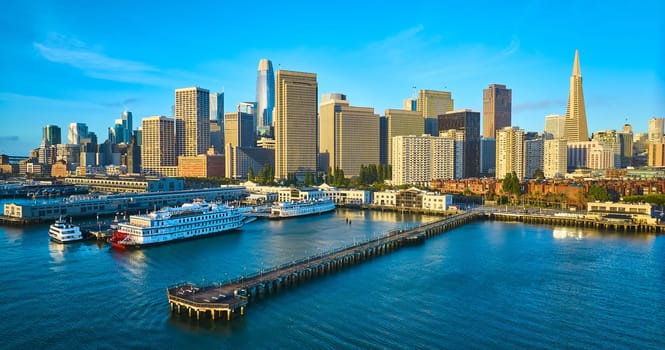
(300, 208)
(64, 232)
(192, 220)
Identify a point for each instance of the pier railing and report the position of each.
(232, 295)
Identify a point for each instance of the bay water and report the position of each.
(483, 285)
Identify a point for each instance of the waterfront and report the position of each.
(487, 284)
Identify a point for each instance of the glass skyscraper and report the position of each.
(265, 94)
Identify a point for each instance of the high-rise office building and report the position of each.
(487, 156)
(249, 108)
(432, 103)
(52, 134)
(127, 125)
(555, 125)
(348, 136)
(576, 125)
(192, 109)
(497, 109)
(217, 107)
(410, 104)
(265, 94)
(383, 140)
(469, 122)
(295, 123)
(216, 136)
(238, 129)
(555, 158)
(158, 150)
(510, 152)
(402, 122)
(655, 132)
(76, 132)
(534, 148)
(133, 160)
(656, 154)
(626, 141)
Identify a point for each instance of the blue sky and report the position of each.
(67, 61)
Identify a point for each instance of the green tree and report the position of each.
(598, 193)
(539, 174)
(511, 185)
(309, 179)
(291, 179)
(330, 179)
(339, 178)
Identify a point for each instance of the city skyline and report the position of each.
(66, 66)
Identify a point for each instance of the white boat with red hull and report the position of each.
(192, 220)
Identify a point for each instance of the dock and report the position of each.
(605, 224)
(230, 298)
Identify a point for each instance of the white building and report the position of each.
(590, 154)
(415, 199)
(555, 158)
(419, 159)
(510, 152)
(437, 201)
(385, 198)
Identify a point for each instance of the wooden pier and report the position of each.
(606, 225)
(227, 299)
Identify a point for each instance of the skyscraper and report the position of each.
(52, 134)
(497, 109)
(295, 123)
(217, 107)
(158, 150)
(192, 108)
(238, 130)
(468, 122)
(126, 122)
(348, 135)
(216, 123)
(76, 132)
(655, 132)
(431, 104)
(487, 156)
(402, 122)
(576, 126)
(555, 125)
(265, 94)
(626, 141)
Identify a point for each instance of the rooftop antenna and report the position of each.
(414, 91)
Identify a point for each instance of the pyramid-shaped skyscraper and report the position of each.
(576, 126)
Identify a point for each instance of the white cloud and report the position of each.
(90, 61)
(95, 64)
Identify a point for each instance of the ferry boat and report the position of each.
(63, 232)
(191, 220)
(304, 207)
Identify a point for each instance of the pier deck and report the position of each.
(229, 297)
